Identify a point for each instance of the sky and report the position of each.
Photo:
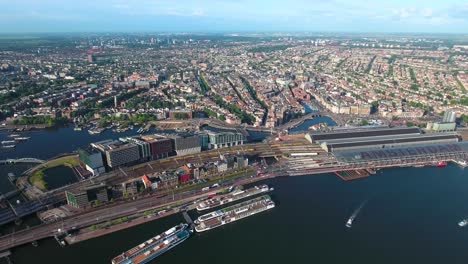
(406, 16)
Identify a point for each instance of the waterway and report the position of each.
(411, 217)
(57, 177)
(304, 126)
(45, 144)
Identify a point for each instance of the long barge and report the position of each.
(231, 197)
(233, 213)
(155, 246)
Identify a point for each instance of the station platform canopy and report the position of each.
(370, 155)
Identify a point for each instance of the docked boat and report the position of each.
(231, 197)
(14, 135)
(5, 142)
(233, 213)
(318, 126)
(441, 164)
(463, 223)
(95, 131)
(9, 146)
(21, 138)
(155, 246)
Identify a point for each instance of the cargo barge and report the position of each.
(231, 197)
(155, 246)
(233, 213)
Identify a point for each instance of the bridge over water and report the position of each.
(297, 122)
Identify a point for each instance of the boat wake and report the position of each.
(463, 223)
(349, 223)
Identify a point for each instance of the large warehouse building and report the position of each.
(377, 138)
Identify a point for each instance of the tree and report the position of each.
(464, 118)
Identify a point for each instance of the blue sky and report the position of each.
(441, 16)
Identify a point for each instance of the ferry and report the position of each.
(463, 223)
(231, 197)
(155, 246)
(233, 213)
(349, 223)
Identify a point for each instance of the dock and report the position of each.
(6, 255)
(188, 219)
(349, 175)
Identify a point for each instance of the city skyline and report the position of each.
(234, 16)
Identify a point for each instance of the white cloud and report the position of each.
(426, 12)
(198, 12)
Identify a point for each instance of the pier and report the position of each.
(188, 219)
(349, 175)
(6, 255)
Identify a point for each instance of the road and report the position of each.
(110, 212)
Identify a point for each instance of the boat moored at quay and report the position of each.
(231, 197)
(155, 246)
(233, 213)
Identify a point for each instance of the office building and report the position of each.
(186, 144)
(87, 196)
(449, 117)
(118, 153)
(224, 139)
(143, 147)
(160, 147)
(92, 159)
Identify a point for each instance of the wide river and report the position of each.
(411, 217)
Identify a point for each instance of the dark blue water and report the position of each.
(45, 144)
(57, 177)
(411, 217)
(309, 122)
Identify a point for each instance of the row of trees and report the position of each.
(40, 120)
(233, 109)
(126, 120)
